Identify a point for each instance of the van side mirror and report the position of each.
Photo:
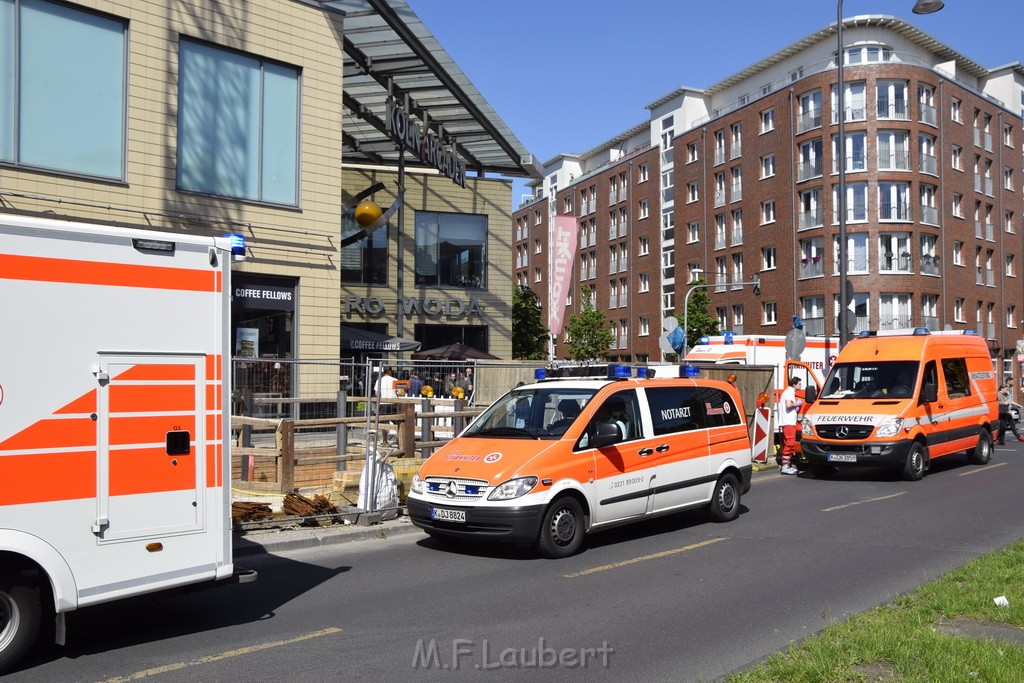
(930, 392)
(605, 434)
(811, 394)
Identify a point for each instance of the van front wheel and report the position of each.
(561, 533)
(913, 468)
(725, 501)
(982, 453)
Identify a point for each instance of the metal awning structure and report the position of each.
(387, 46)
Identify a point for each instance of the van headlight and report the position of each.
(890, 427)
(513, 488)
(806, 428)
(417, 484)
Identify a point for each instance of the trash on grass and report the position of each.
(1001, 601)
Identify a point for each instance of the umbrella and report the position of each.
(355, 339)
(456, 351)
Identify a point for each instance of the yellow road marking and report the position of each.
(869, 500)
(655, 556)
(981, 469)
(156, 671)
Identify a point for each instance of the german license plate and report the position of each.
(842, 457)
(445, 515)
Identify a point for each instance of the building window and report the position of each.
(736, 148)
(893, 201)
(62, 89)
(855, 153)
(769, 313)
(644, 209)
(854, 101)
(642, 173)
(891, 99)
(692, 194)
(768, 212)
(645, 282)
(366, 261)
(893, 151)
(536, 275)
(1010, 269)
(767, 120)
(692, 153)
(956, 160)
(645, 246)
(238, 125)
(1008, 222)
(451, 249)
(768, 256)
(645, 327)
(856, 253)
(1008, 178)
(809, 114)
(958, 311)
(768, 166)
(958, 253)
(856, 203)
(954, 110)
(693, 232)
(1011, 316)
(894, 253)
(958, 209)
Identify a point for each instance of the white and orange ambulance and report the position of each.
(114, 418)
(554, 460)
(900, 399)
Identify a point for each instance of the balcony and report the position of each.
(808, 121)
(806, 170)
(892, 109)
(811, 267)
(929, 265)
(927, 114)
(894, 160)
(888, 211)
(810, 219)
(855, 111)
(928, 164)
(891, 263)
(929, 215)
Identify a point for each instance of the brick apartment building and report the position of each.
(741, 178)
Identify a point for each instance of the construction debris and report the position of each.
(298, 505)
(250, 512)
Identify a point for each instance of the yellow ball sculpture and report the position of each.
(367, 212)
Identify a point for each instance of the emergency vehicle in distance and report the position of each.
(554, 460)
(901, 398)
(115, 472)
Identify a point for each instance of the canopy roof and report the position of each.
(355, 339)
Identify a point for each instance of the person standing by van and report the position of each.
(788, 418)
(1005, 397)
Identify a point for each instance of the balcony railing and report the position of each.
(894, 160)
(737, 237)
(929, 215)
(990, 278)
(812, 267)
(719, 197)
(929, 265)
(977, 183)
(978, 231)
(931, 322)
(979, 276)
(736, 149)
(720, 240)
(737, 192)
(894, 264)
(890, 109)
(888, 211)
(814, 326)
(719, 156)
(990, 232)
(810, 219)
(988, 187)
(855, 111)
(894, 322)
(929, 164)
(808, 120)
(927, 114)
(808, 169)
(977, 137)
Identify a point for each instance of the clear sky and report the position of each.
(566, 75)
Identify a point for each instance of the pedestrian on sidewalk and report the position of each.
(1005, 397)
(788, 418)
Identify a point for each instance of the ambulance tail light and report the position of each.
(513, 488)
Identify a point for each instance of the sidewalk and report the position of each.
(295, 537)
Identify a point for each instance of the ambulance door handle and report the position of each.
(644, 452)
(662, 448)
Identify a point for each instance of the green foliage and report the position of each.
(529, 334)
(590, 333)
(698, 319)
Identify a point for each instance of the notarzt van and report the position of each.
(552, 461)
(902, 399)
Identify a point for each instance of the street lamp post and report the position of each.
(756, 282)
(920, 7)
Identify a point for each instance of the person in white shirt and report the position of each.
(788, 419)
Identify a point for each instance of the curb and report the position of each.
(244, 544)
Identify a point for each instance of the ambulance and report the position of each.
(901, 399)
(552, 461)
(114, 419)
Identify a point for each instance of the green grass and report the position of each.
(899, 641)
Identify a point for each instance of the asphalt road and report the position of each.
(678, 599)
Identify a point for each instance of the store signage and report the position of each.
(256, 295)
(435, 306)
(424, 143)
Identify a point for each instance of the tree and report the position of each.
(529, 334)
(697, 319)
(590, 333)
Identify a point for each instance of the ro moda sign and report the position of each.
(431, 306)
(424, 143)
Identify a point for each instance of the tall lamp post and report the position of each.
(920, 7)
(756, 282)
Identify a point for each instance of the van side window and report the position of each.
(719, 409)
(954, 370)
(620, 409)
(675, 409)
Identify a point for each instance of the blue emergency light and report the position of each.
(644, 373)
(618, 371)
(689, 371)
(539, 374)
(237, 243)
(728, 337)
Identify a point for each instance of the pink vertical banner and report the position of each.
(563, 240)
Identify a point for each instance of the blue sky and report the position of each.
(566, 75)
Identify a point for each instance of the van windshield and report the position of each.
(881, 379)
(532, 413)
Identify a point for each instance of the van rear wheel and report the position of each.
(21, 612)
(725, 501)
(982, 453)
(561, 533)
(913, 468)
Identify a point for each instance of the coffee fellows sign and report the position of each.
(424, 143)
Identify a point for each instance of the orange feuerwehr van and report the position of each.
(551, 461)
(902, 398)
